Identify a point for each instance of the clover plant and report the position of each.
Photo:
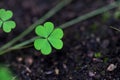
(5, 22)
(48, 36)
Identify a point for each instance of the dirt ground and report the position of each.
(76, 61)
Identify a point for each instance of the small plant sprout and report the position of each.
(48, 36)
(97, 55)
(5, 22)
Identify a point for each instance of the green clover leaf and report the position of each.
(5, 23)
(48, 36)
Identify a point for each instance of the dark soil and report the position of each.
(76, 61)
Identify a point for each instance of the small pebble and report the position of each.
(19, 59)
(111, 67)
(29, 60)
(64, 66)
(48, 72)
(56, 71)
(90, 54)
(98, 39)
(70, 78)
(91, 74)
(97, 60)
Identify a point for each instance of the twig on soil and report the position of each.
(115, 28)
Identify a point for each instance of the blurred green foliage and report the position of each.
(5, 73)
(94, 27)
(106, 16)
(117, 14)
(97, 55)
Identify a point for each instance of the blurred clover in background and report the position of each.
(5, 73)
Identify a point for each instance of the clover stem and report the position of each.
(50, 13)
(19, 46)
(91, 14)
(74, 21)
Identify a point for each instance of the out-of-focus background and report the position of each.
(91, 48)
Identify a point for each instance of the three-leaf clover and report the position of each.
(6, 24)
(48, 36)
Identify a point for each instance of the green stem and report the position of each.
(89, 15)
(40, 21)
(74, 21)
(19, 46)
